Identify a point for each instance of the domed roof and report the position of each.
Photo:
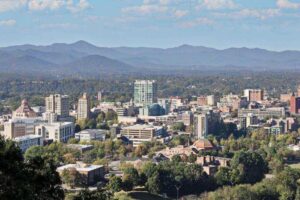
(203, 144)
(24, 102)
(24, 110)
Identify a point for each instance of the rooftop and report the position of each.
(27, 137)
(142, 126)
(79, 166)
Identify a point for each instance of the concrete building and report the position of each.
(145, 92)
(58, 131)
(83, 110)
(254, 94)
(89, 174)
(27, 141)
(141, 133)
(200, 126)
(121, 111)
(202, 101)
(211, 101)
(285, 97)
(187, 118)
(20, 127)
(24, 111)
(91, 134)
(99, 96)
(262, 113)
(294, 104)
(58, 104)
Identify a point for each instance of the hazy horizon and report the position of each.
(221, 24)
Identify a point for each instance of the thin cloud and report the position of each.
(146, 9)
(217, 4)
(7, 5)
(9, 22)
(251, 13)
(287, 4)
(180, 13)
(197, 22)
(39, 5)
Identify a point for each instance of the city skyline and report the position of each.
(221, 24)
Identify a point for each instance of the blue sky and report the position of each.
(270, 24)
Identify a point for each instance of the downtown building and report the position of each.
(294, 104)
(83, 109)
(254, 94)
(57, 108)
(145, 92)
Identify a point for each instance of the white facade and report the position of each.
(91, 134)
(141, 133)
(59, 131)
(83, 110)
(201, 126)
(211, 100)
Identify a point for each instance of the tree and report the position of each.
(223, 176)
(178, 126)
(176, 159)
(93, 195)
(192, 158)
(115, 184)
(130, 178)
(248, 167)
(153, 183)
(111, 116)
(43, 179)
(33, 152)
(34, 179)
(287, 184)
(69, 177)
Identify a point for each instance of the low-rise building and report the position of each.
(91, 134)
(80, 147)
(27, 141)
(89, 174)
(142, 133)
(262, 113)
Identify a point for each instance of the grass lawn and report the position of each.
(140, 195)
(295, 166)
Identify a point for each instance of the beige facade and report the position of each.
(83, 110)
(58, 104)
(141, 133)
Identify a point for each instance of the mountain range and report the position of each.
(83, 58)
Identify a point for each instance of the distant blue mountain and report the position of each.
(85, 58)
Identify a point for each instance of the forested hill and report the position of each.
(82, 58)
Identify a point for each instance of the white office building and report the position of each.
(91, 134)
(201, 126)
(58, 131)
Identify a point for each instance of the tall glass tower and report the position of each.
(145, 92)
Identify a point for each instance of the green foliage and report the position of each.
(163, 178)
(131, 178)
(34, 179)
(93, 195)
(283, 187)
(115, 184)
(248, 167)
(178, 126)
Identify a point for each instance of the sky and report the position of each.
(268, 24)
